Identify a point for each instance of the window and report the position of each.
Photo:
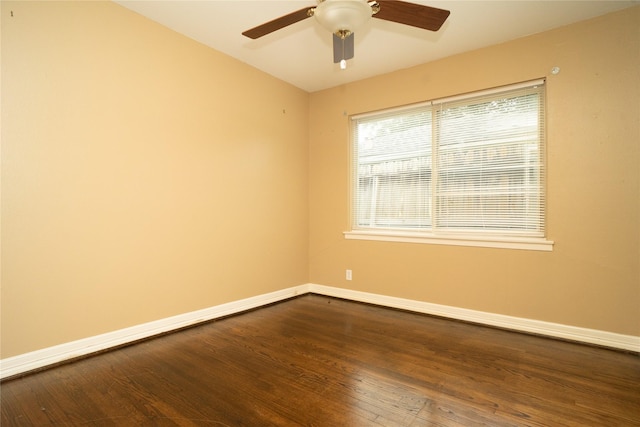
(462, 170)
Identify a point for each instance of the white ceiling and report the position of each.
(302, 55)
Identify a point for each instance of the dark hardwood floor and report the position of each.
(318, 361)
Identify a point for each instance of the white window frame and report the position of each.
(490, 239)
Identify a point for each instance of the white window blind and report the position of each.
(393, 185)
(471, 164)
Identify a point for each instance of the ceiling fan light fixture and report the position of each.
(343, 17)
(337, 15)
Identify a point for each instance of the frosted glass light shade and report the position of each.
(336, 15)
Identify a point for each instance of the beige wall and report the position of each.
(592, 278)
(144, 175)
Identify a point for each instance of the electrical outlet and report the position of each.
(349, 275)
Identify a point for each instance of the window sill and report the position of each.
(502, 242)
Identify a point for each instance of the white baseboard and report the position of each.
(556, 330)
(48, 356)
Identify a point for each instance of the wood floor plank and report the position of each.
(318, 361)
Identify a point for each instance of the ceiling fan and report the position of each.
(343, 17)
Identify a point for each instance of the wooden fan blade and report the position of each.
(416, 15)
(278, 23)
